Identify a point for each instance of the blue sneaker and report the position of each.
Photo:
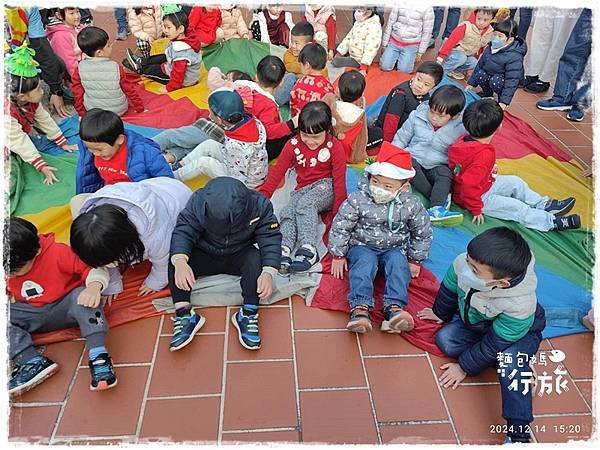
(184, 329)
(29, 374)
(575, 114)
(247, 327)
(103, 373)
(442, 217)
(552, 105)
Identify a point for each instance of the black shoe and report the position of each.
(29, 374)
(560, 207)
(360, 320)
(396, 320)
(128, 66)
(103, 374)
(537, 87)
(571, 222)
(486, 94)
(305, 258)
(526, 81)
(135, 62)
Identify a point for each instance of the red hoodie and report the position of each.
(474, 171)
(179, 67)
(456, 36)
(204, 23)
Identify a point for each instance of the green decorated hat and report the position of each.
(170, 8)
(21, 63)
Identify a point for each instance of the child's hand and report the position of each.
(503, 106)
(428, 314)
(439, 60)
(338, 267)
(145, 290)
(184, 275)
(264, 285)
(478, 220)
(452, 376)
(469, 87)
(150, 40)
(90, 297)
(109, 298)
(162, 90)
(49, 177)
(330, 55)
(415, 269)
(70, 147)
(418, 58)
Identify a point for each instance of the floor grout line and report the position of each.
(259, 360)
(183, 397)
(259, 430)
(138, 428)
(295, 364)
(326, 389)
(223, 378)
(437, 383)
(319, 330)
(413, 422)
(34, 404)
(542, 416)
(372, 403)
(116, 366)
(68, 439)
(406, 355)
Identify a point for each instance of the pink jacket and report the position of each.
(63, 40)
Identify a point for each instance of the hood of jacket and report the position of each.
(247, 131)
(227, 206)
(467, 150)
(517, 46)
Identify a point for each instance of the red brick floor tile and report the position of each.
(215, 320)
(337, 417)
(66, 354)
(110, 413)
(586, 390)
(261, 437)
(572, 137)
(585, 128)
(184, 419)
(541, 130)
(260, 395)
(195, 369)
(378, 343)
(328, 359)
(32, 424)
(552, 121)
(569, 401)
(396, 398)
(484, 411)
(132, 342)
(520, 112)
(276, 335)
(87, 441)
(562, 429)
(306, 317)
(428, 433)
(579, 353)
(489, 375)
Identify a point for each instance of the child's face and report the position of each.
(502, 37)
(389, 184)
(33, 96)
(297, 43)
(313, 141)
(483, 19)
(485, 272)
(103, 150)
(72, 17)
(438, 119)
(421, 84)
(275, 10)
(172, 32)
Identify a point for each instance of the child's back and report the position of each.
(185, 51)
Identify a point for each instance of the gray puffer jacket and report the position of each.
(361, 221)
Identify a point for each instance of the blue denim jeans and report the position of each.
(458, 61)
(454, 338)
(402, 57)
(451, 21)
(121, 16)
(180, 141)
(364, 263)
(573, 61)
(282, 93)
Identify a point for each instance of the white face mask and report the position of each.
(358, 16)
(381, 195)
(112, 265)
(473, 281)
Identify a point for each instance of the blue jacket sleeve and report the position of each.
(188, 228)
(446, 301)
(268, 236)
(512, 74)
(87, 177)
(484, 353)
(155, 162)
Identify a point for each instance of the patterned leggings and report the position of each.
(143, 47)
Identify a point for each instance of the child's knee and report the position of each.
(445, 342)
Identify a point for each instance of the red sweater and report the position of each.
(456, 36)
(113, 170)
(307, 89)
(474, 171)
(327, 161)
(204, 23)
(128, 87)
(56, 271)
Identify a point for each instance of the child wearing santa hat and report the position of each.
(381, 225)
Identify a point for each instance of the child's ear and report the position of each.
(120, 140)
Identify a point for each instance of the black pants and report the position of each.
(246, 263)
(53, 68)
(274, 146)
(433, 183)
(152, 68)
(345, 61)
(374, 140)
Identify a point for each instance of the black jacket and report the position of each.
(223, 218)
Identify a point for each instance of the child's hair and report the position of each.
(508, 28)
(490, 11)
(351, 86)
(61, 12)
(314, 55)
(22, 242)
(105, 235)
(92, 39)
(433, 69)
(239, 75)
(376, 12)
(502, 249)
(22, 85)
(303, 28)
(138, 11)
(99, 125)
(447, 99)
(482, 118)
(315, 118)
(270, 71)
(178, 19)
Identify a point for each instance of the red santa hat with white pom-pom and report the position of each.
(392, 162)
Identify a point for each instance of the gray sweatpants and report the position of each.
(300, 217)
(65, 313)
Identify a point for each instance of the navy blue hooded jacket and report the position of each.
(507, 62)
(225, 217)
(144, 160)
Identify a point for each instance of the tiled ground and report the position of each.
(311, 382)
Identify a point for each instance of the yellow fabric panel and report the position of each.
(159, 46)
(198, 93)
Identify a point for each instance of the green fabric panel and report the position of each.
(239, 54)
(511, 328)
(29, 195)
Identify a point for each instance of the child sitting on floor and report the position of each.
(45, 282)
(146, 25)
(217, 233)
(404, 98)
(320, 164)
(478, 187)
(500, 67)
(488, 306)
(275, 25)
(322, 18)
(108, 154)
(205, 23)
(382, 225)
(62, 35)
(100, 82)
(427, 133)
(233, 23)
(312, 85)
(242, 155)
(180, 65)
(26, 112)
